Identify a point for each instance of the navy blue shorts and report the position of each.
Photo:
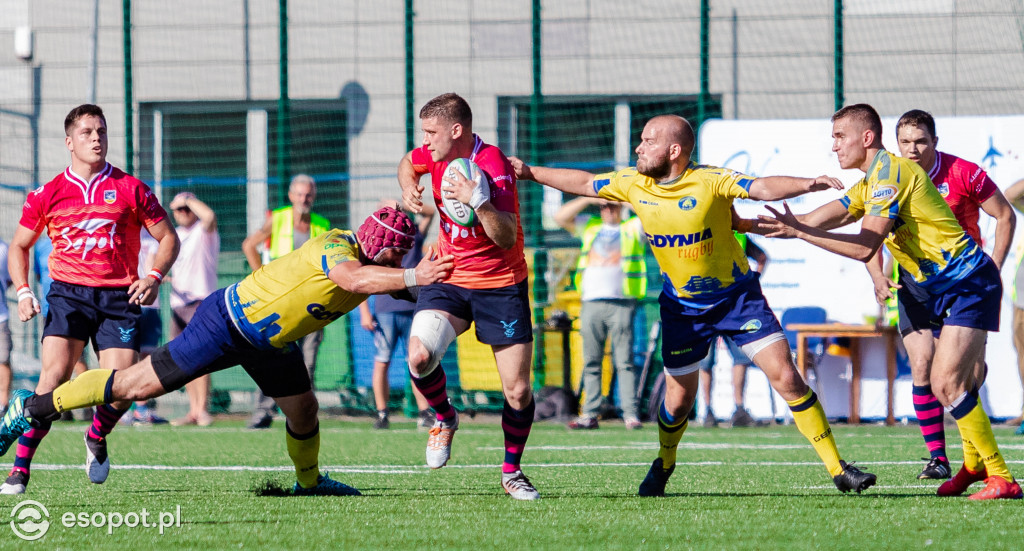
(745, 317)
(210, 342)
(502, 315)
(972, 302)
(151, 330)
(102, 314)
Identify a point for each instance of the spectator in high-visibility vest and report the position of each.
(285, 230)
(611, 277)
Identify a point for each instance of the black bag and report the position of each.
(555, 403)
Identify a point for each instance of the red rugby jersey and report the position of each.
(479, 263)
(94, 225)
(965, 186)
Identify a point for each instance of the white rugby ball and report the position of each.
(459, 212)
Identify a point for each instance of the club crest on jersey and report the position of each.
(883, 192)
(109, 196)
(944, 189)
(687, 203)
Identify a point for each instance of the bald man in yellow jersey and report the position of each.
(255, 323)
(709, 288)
(897, 203)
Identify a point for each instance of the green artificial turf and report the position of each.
(751, 488)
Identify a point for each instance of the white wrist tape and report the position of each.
(481, 193)
(409, 275)
(25, 293)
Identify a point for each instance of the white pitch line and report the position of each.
(423, 469)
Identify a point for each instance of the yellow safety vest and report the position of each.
(892, 308)
(634, 268)
(282, 228)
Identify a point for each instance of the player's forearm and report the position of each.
(875, 266)
(166, 252)
(408, 178)
(565, 217)
(499, 226)
(17, 265)
(775, 188)
(1004, 235)
(855, 246)
(576, 182)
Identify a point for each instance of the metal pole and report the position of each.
(703, 97)
(129, 116)
(410, 89)
(840, 100)
(735, 65)
(535, 198)
(90, 87)
(283, 105)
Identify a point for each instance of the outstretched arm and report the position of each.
(576, 182)
(566, 215)
(859, 246)
(370, 279)
(774, 188)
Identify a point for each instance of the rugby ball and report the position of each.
(459, 212)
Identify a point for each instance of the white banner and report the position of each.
(800, 274)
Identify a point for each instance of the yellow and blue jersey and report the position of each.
(688, 224)
(926, 238)
(292, 296)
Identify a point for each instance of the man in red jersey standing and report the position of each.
(967, 190)
(93, 213)
(488, 285)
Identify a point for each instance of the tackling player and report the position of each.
(93, 213)
(709, 288)
(488, 285)
(966, 188)
(897, 203)
(255, 323)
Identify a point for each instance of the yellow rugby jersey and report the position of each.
(291, 296)
(925, 238)
(688, 225)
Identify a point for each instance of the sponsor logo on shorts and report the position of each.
(510, 327)
(126, 334)
(751, 326)
(687, 203)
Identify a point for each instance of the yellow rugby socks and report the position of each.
(975, 427)
(91, 388)
(810, 420)
(670, 431)
(304, 449)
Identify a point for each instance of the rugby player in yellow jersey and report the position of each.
(709, 289)
(898, 204)
(255, 323)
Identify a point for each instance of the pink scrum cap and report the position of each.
(387, 228)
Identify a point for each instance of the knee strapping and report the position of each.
(435, 333)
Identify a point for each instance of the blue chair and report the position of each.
(815, 345)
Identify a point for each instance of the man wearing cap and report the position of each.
(255, 323)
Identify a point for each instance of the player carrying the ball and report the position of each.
(488, 284)
(709, 289)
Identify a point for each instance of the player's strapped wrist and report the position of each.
(481, 195)
(156, 274)
(409, 275)
(25, 292)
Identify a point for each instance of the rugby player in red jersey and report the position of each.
(93, 213)
(488, 285)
